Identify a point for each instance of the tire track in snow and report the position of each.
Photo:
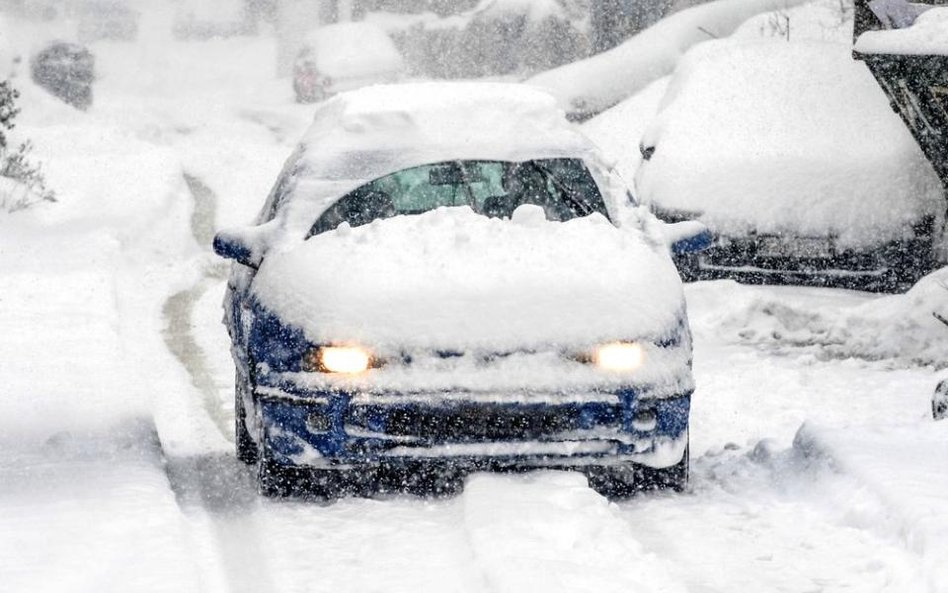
(216, 492)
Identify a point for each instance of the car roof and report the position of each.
(361, 136)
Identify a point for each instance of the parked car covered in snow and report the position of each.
(446, 278)
(107, 19)
(344, 57)
(790, 153)
(67, 70)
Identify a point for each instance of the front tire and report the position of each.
(246, 448)
(620, 482)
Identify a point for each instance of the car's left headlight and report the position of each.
(338, 359)
(620, 357)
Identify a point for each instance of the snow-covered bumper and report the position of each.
(476, 430)
(767, 259)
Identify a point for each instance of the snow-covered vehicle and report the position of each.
(344, 57)
(905, 47)
(446, 278)
(106, 19)
(67, 70)
(782, 171)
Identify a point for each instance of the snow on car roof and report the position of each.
(349, 50)
(361, 136)
(783, 137)
(927, 36)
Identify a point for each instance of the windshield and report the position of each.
(564, 188)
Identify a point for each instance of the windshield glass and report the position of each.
(564, 188)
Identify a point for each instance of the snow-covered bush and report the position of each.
(496, 37)
(21, 182)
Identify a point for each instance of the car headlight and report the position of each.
(337, 359)
(619, 356)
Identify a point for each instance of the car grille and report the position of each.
(483, 422)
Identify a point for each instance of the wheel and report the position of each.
(275, 480)
(668, 478)
(246, 448)
(619, 482)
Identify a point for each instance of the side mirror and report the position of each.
(689, 236)
(236, 244)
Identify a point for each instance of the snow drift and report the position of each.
(902, 329)
(592, 85)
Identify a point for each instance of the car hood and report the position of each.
(452, 279)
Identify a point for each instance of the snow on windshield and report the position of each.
(749, 138)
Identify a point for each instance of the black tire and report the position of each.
(670, 478)
(279, 481)
(246, 448)
(620, 482)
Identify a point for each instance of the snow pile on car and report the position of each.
(901, 328)
(927, 36)
(353, 50)
(589, 86)
(455, 280)
(364, 135)
(777, 137)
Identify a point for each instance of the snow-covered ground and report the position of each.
(816, 466)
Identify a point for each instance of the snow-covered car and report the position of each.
(344, 57)
(67, 70)
(446, 278)
(791, 154)
(107, 19)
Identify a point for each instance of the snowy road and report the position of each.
(117, 470)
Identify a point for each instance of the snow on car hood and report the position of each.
(455, 280)
(790, 138)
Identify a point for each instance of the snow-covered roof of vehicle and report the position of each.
(361, 136)
(917, 30)
(352, 50)
(795, 138)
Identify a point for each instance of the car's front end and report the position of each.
(345, 410)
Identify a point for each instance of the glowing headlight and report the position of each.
(619, 356)
(339, 359)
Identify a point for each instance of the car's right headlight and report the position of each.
(348, 360)
(620, 357)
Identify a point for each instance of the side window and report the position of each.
(291, 168)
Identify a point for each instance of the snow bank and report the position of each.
(903, 466)
(523, 530)
(353, 50)
(451, 278)
(897, 328)
(927, 36)
(772, 136)
(589, 86)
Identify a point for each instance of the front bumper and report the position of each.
(765, 259)
(473, 430)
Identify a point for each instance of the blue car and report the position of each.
(446, 278)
